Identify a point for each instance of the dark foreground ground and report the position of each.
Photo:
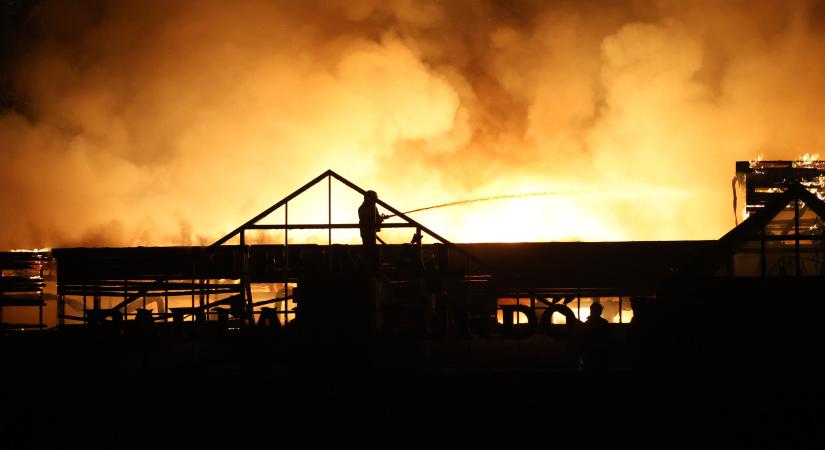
(190, 394)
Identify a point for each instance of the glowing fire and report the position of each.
(807, 159)
(569, 213)
(420, 101)
(754, 163)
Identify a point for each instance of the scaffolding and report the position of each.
(21, 285)
(116, 284)
(762, 181)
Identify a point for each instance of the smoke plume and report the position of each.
(169, 123)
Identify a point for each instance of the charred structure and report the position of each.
(21, 285)
(424, 293)
(436, 321)
(763, 180)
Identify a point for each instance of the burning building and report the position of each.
(425, 291)
(761, 181)
(491, 324)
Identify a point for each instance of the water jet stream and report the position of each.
(490, 198)
(538, 194)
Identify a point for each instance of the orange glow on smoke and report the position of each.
(219, 110)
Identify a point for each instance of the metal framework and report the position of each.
(787, 227)
(765, 180)
(22, 283)
(329, 176)
(220, 270)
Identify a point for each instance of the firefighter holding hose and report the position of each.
(369, 222)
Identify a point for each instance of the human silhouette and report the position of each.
(368, 218)
(369, 222)
(595, 341)
(143, 325)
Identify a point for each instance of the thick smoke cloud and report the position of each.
(155, 122)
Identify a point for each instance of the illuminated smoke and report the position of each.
(518, 196)
(155, 122)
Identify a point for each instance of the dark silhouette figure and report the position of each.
(143, 325)
(369, 222)
(595, 341)
(144, 317)
(368, 218)
(269, 319)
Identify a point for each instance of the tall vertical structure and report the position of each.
(785, 232)
(21, 285)
(759, 182)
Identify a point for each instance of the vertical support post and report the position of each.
(194, 272)
(61, 309)
(286, 259)
(796, 234)
(125, 297)
(42, 300)
(166, 300)
(532, 301)
(245, 279)
(204, 294)
(417, 239)
(579, 303)
(329, 222)
(329, 209)
(620, 309)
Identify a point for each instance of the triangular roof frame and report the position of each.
(753, 225)
(329, 175)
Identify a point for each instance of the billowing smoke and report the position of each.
(157, 122)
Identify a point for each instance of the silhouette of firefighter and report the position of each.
(595, 341)
(369, 221)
